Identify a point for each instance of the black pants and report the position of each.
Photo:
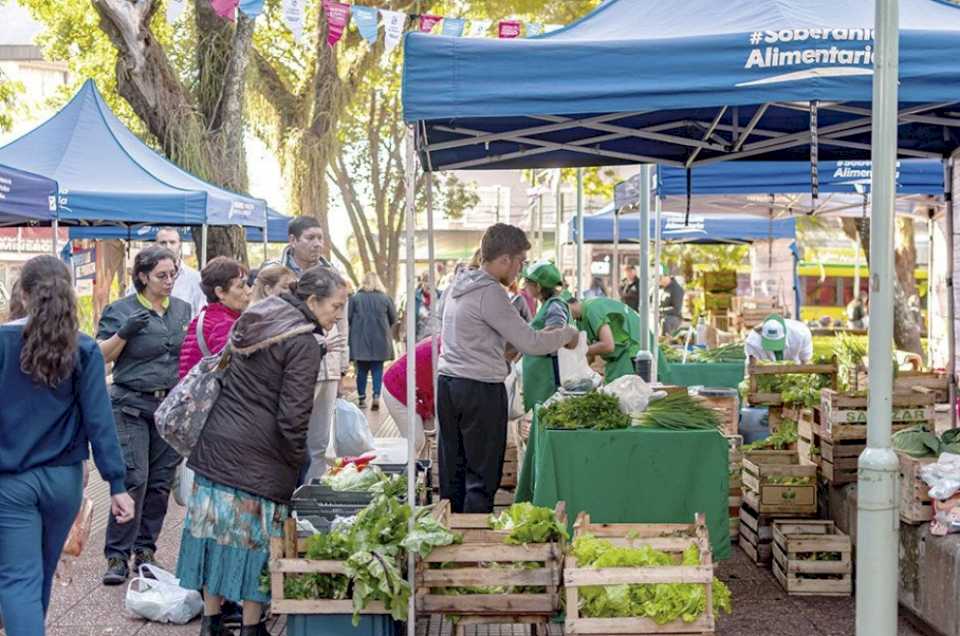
(472, 420)
(151, 464)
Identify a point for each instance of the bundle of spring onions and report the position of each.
(679, 412)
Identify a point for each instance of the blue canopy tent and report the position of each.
(26, 198)
(277, 232)
(108, 176)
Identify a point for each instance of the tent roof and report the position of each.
(692, 81)
(107, 175)
(26, 198)
(277, 232)
(714, 228)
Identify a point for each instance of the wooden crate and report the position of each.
(808, 438)
(756, 535)
(511, 465)
(794, 541)
(762, 470)
(671, 538)
(720, 281)
(735, 529)
(935, 381)
(838, 463)
(727, 409)
(717, 301)
(754, 370)
(286, 559)
(474, 563)
(721, 322)
(844, 417)
(915, 504)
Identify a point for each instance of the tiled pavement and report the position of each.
(81, 606)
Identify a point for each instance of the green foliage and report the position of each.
(784, 438)
(661, 602)
(726, 353)
(8, 94)
(917, 441)
(595, 410)
(529, 524)
(679, 412)
(794, 388)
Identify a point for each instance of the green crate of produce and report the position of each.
(719, 281)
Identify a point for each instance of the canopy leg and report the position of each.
(411, 318)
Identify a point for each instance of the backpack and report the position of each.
(181, 416)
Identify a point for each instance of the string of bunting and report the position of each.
(368, 20)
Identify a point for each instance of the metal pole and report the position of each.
(498, 204)
(540, 231)
(930, 226)
(203, 246)
(56, 235)
(579, 231)
(558, 220)
(877, 519)
(615, 266)
(432, 277)
(646, 172)
(409, 222)
(266, 233)
(658, 244)
(948, 167)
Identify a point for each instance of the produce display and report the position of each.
(726, 353)
(528, 524)
(595, 410)
(917, 441)
(661, 602)
(679, 412)
(785, 437)
(352, 478)
(850, 352)
(794, 388)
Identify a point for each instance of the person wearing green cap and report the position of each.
(613, 333)
(779, 338)
(543, 281)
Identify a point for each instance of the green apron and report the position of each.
(624, 323)
(539, 382)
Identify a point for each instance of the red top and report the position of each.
(395, 379)
(218, 319)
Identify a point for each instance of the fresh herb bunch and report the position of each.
(727, 353)
(679, 412)
(661, 602)
(528, 524)
(795, 388)
(783, 439)
(595, 410)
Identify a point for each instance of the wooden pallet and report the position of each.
(763, 490)
(795, 542)
(756, 535)
(844, 417)
(475, 563)
(915, 504)
(286, 560)
(671, 538)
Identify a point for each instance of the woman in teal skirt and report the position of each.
(249, 455)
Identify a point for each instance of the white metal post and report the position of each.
(579, 231)
(878, 523)
(558, 220)
(203, 246)
(646, 172)
(56, 235)
(409, 221)
(948, 168)
(266, 232)
(657, 245)
(930, 231)
(615, 266)
(435, 302)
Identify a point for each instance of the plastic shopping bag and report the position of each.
(80, 531)
(633, 392)
(161, 599)
(514, 384)
(352, 436)
(575, 371)
(183, 485)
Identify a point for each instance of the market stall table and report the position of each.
(712, 374)
(631, 476)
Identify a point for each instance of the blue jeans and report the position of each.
(373, 368)
(37, 510)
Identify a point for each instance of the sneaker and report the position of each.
(117, 571)
(143, 557)
(361, 402)
(375, 405)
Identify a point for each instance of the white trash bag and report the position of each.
(575, 372)
(161, 599)
(352, 436)
(183, 484)
(633, 392)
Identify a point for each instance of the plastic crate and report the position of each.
(342, 625)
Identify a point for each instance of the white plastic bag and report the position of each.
(352, 436)
(161, 599)
(575, 371)
(633, 392)
(183, 484)
(514, 384)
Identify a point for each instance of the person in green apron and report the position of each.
(613, 333)
(543, 281)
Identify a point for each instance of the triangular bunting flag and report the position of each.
(508, 29)
(226, 9)
(366, 20)
(251, 8)
(292, 11)
(453, 27)
(427, 22)
(338, 17)
(175, 10)
(393, 23)
(534, 29)
(479, 28)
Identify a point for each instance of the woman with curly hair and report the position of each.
(55, 406)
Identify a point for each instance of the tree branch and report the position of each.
(269, 85)
(347, 265)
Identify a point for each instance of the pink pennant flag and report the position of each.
(509, 29)
(427, 22)
(338, 16)
(226, 9)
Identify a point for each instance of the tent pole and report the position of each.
(435, 298)
(266, 233)
(615, 265)
(558, 219)
(579, 231)
(646, 172)
(657, 247)
(948, 168)
(877, 518)
(203, 246)
(411, 318)
(56, 235)
(930, 226)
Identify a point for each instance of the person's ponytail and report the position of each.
(50, 335)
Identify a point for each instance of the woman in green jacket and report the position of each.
(613, 333)
(543, 281)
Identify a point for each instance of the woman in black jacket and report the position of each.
(253, 444)
(371, 316)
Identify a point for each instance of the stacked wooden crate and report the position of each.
(808, 436)
(774, 401)
(812, 558)
(736, 494)
(915, 503)
(719, 291)
(750, 311)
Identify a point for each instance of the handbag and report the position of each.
(79, 533)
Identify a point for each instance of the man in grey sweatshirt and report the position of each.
(478, 323)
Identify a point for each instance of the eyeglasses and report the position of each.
(167, 276)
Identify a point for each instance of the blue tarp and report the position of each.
(26, 198)
(914, 176)
(277, 232)
(107, 175)
(713, 228)
(662, 70)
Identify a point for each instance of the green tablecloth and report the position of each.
(712, 374)
(631, 476)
